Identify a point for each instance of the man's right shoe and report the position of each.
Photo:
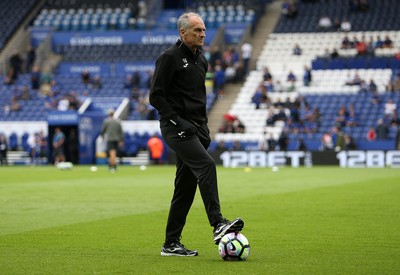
(177, 249)
(225, 227)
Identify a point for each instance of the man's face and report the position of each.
(195, 34)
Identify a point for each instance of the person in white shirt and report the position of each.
(246, 50)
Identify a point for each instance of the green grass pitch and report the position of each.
(321, 220)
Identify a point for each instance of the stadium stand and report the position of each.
(327, 90)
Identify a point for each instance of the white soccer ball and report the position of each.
(274, 168)
(93, 168)
(234, 247)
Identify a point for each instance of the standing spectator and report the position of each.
(58, 146)
(156, 148)
(307, 76)
(30, 58)
(382, 130)
(350, 144)
(246, 50)
(36, 75)
(327, 142)
(16, 64)
(219, 81)
(371, 134)
(3, 149)
(111, 130)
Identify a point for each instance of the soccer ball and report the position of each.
(234, 247)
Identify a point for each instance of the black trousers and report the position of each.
(194, 167)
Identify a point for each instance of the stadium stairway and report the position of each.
(265, 26)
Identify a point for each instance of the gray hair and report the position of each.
(183, 20)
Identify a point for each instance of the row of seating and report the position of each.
(309, 13)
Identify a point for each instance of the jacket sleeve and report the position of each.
(160, 84)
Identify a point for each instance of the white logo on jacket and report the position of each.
(185, 62)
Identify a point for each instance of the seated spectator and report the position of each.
(96, 82)
(334, 53)
(297, 50)
(340, 120)
(324, 23)
(336, 24)
(351, 120)
(356, 80)
(387, 42)
(376, 98)
(382, 130)
(291, 77)
(267, 76)
(372, 87)
(63, 104)
(85, 77)
(378, 43)
(346, 43)
(390, 107)
(278, 87)
(24, 95)
(361, 47)
(345, 25)
(260, 96)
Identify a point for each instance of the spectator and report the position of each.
(301, 146)
(334, 53)
(156, 148)
(246, 52)
(349, 143)
(346, 43)
(345, 25)
(382, 130)
(36, 75)
(85, 77)
(387, 42)
(361, 47)
(291, 77)
(324, 23)
(378, 43)
(58, 146)
(267, 76)
(30, 58)
(307, 76)
(16, 64)
(3, 149)
(390, 107)
(371, 134)
(63, 104)
(327, 142)
(219, 81)
(297, 50)
(96, 82)
(260, 96)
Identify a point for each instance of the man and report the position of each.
(178, 92)
(156, 148)
(112, 131)
(58, 146)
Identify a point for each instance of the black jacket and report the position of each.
(178, 84)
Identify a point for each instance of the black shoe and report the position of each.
(177, 249)
(225, 227)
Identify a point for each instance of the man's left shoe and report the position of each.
(177, 249)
